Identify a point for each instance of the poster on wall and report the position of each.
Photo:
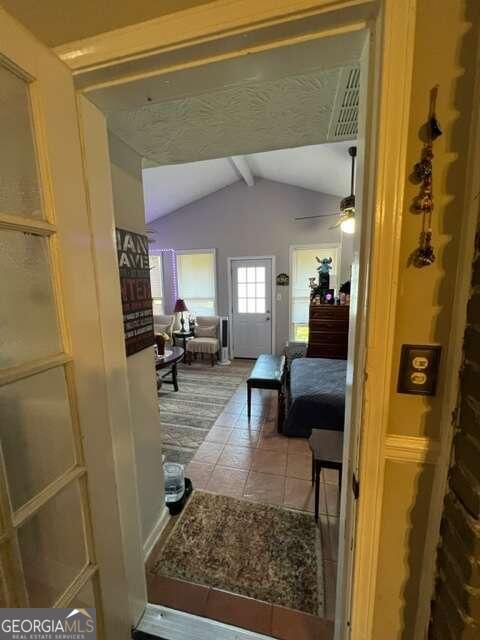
(133, 264)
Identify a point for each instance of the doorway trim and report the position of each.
(391, 66)
(273, 323)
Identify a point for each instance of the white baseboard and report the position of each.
(155, 533)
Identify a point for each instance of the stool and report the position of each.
(327, 452)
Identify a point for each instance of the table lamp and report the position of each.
(180, 307)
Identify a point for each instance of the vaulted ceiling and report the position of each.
(324, 168)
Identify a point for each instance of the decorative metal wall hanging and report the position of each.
(283, 280)
(424, 255)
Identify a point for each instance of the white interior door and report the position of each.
(252, 307)
(54, 434)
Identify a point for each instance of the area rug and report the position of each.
(187, 415)
(264, 552)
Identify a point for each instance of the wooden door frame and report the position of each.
(273, 316)
(127, 53)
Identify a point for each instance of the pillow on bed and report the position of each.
(206, 332)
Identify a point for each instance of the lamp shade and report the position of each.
(180, 306)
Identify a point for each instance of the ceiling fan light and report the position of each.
(348, 225)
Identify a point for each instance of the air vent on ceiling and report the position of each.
(344, 121)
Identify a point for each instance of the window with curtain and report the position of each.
(304, 266)
(156, 283)
(196, 281)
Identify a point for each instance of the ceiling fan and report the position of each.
(346, 215)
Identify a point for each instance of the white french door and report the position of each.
(52, 396)
(252, 307)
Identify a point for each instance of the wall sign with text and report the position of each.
(133, 264)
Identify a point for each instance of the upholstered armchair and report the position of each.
(164, 324)
(206, 340)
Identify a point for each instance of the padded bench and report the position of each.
(268, 374)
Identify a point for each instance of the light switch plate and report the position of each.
(419, 364)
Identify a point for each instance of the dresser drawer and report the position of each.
(330, 311)
(336, 326)
(328, 337)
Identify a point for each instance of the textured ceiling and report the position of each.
(237, 120)
(324, 168)
(56, 22)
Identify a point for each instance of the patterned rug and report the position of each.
(260, 551)
(187, 415)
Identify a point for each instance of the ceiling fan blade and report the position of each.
(335, 225)
(320, 215)
(341, 218)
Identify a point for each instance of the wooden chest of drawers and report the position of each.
(328, 331)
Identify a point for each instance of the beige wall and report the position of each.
(56, 21)
(444, 55)
(129, 214)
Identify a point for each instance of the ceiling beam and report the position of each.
(240, 164)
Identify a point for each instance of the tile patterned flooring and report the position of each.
(249, 459)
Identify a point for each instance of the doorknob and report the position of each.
(267, 319)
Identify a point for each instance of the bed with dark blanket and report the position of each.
(316, 397)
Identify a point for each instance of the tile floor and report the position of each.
(251, 460)
(248, 458)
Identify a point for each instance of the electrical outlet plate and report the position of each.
(419, 364)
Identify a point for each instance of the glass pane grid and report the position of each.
(251, 292)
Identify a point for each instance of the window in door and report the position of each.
(156, 283)
(196, 281)
(251, 290)
(303, 265)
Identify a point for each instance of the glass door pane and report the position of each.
(19, 186)
(35, 433)
(251, 292)
(28, 319)
(52, 546)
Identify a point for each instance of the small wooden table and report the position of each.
(327, 452)
(182, 335)
(169, 362)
